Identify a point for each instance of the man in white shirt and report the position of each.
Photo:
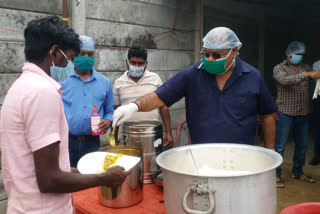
(136, 82)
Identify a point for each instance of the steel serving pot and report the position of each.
(232, 179)
(130, 192)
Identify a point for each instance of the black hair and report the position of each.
(41, 34)
(137, 51)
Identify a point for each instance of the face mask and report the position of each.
(84, 63)
(296, 59)
(61, 73)
(136, 71)
(216, 67)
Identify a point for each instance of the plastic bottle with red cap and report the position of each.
(95, 120)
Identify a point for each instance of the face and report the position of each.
(86, 53)
(212, 54)
(289, 57)
(137, 61)
(58, 58)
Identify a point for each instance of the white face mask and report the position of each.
(136, 71)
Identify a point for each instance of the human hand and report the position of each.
(114, 176)
(103, 126)
(168, 140)
(123, 113)
(313, 75)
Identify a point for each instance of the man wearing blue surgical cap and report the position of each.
(223, 95)
(83, 89)
(292, 80)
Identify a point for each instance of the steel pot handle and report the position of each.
(198, 189)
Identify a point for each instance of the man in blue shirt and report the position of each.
(223, 95)
(84, 88)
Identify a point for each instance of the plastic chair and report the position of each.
(306, 208)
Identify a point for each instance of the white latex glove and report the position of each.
(316, 90)
(123, 113)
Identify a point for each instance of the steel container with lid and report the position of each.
(149, 136)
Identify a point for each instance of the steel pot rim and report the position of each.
(277, 157)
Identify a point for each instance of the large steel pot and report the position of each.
(232, 179)
(149, 136)
(130, 192)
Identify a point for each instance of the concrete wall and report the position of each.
(115, 25)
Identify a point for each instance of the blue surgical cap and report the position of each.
(221, 38)
(87, 43)
(295, 47)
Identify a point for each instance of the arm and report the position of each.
(116, 95)
(149, 102)
(267, 108)
(313, 75)
(170, 92)
(51, 179)
(108, 106)
(116, 130)
(42, 117)
(283, 78)
(74, 170)
(269, 130)
(165, 116)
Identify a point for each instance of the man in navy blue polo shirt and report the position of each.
(223, 95)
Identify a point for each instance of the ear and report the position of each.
(235, 51)
(53, 50)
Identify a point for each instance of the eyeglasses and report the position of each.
(215, 55)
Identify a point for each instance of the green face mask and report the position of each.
(83, 63)
(216, 67)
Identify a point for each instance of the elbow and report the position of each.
(164, 108)
(44, 188)
(46, 184)
(270, 118)
(282, 82)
